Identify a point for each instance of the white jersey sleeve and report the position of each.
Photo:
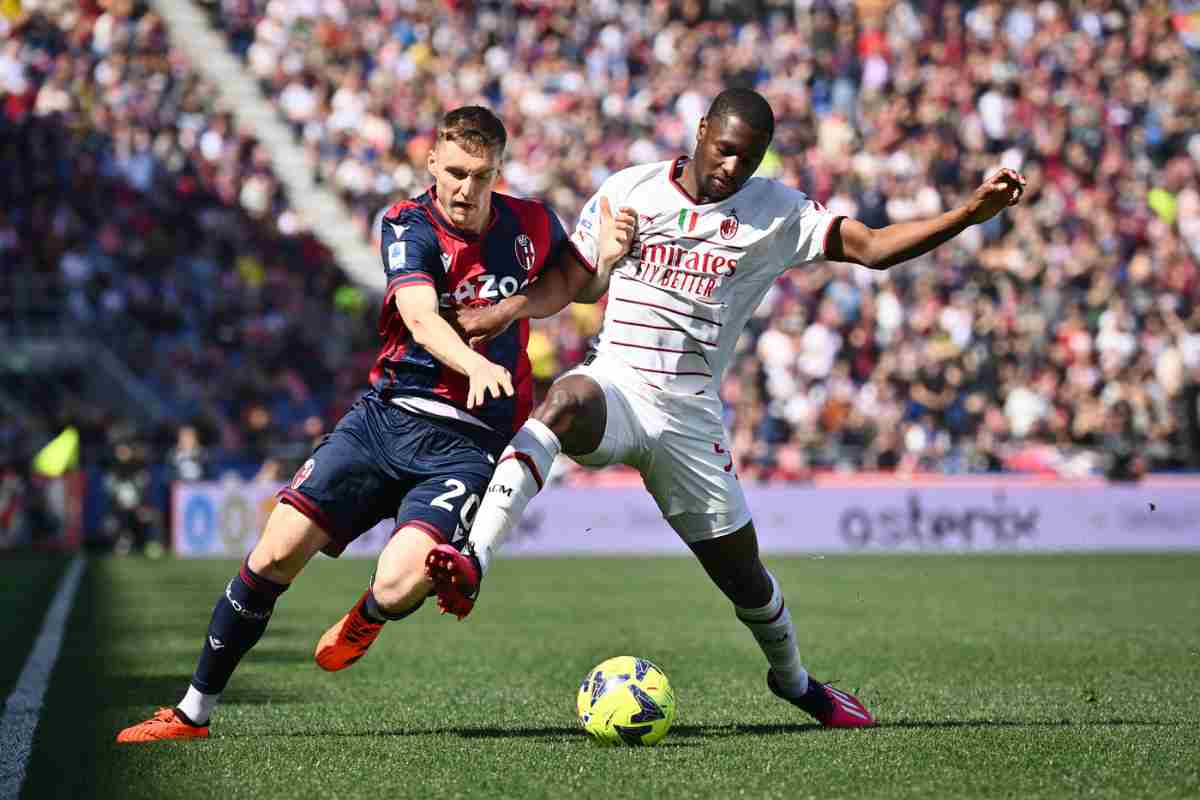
(802, 237)
(587, 230)
(586, 237)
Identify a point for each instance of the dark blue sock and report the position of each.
(375, 613)
(238, 622)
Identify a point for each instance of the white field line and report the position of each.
(24, 705)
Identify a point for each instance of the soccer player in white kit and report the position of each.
(709, 242)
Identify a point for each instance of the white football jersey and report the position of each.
(679, 300)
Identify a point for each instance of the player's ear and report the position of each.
(701, 129)
(431, 162)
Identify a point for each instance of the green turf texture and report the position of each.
(992, 676)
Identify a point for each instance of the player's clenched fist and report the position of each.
(1004, 188)
(487, 377)
(616, 232)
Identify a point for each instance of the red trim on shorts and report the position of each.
(311, 510)
(528, 462)
(428, 529)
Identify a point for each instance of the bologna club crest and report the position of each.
(523, 248)
(729, 226)
(303, 473)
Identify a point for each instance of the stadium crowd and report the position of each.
(1063, 337)
(151, 222)
(1064, 332)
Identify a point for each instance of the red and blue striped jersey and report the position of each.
(420, 246)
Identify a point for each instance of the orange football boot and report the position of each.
(347, 641)
(167, 723)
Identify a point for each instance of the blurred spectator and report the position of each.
(134, 521)
(1122, 445)
(187, 460)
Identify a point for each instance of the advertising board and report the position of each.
(223, 519)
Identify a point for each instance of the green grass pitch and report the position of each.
(992, 676)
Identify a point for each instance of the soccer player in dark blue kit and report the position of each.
(420, 446)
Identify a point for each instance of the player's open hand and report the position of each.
(487, 377)
(479, 324)
(616, 232)
(1003, 189)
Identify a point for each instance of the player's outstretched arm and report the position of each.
(563, 282)
(880, 248)
(418, 307)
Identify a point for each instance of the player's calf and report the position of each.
(398, 589)
(239, 620)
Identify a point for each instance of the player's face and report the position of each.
(728, 151)
(464, 183)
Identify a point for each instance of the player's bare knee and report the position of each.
(574, 410)
(275, 562)
(560, 409)
(289, 540)
(278, 558)
(400, 583)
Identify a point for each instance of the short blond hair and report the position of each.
(474, 129)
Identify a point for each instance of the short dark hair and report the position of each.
(747, 105)
(474, 129)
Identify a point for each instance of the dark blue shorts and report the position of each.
(383, 462)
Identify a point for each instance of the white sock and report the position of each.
(519, 475)
(773, 630)
(197, 705)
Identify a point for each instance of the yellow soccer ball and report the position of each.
(626, 700)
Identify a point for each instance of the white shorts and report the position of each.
(677, 443)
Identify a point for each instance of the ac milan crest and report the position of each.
(729, 226)
(303, 473)
(523, 248)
